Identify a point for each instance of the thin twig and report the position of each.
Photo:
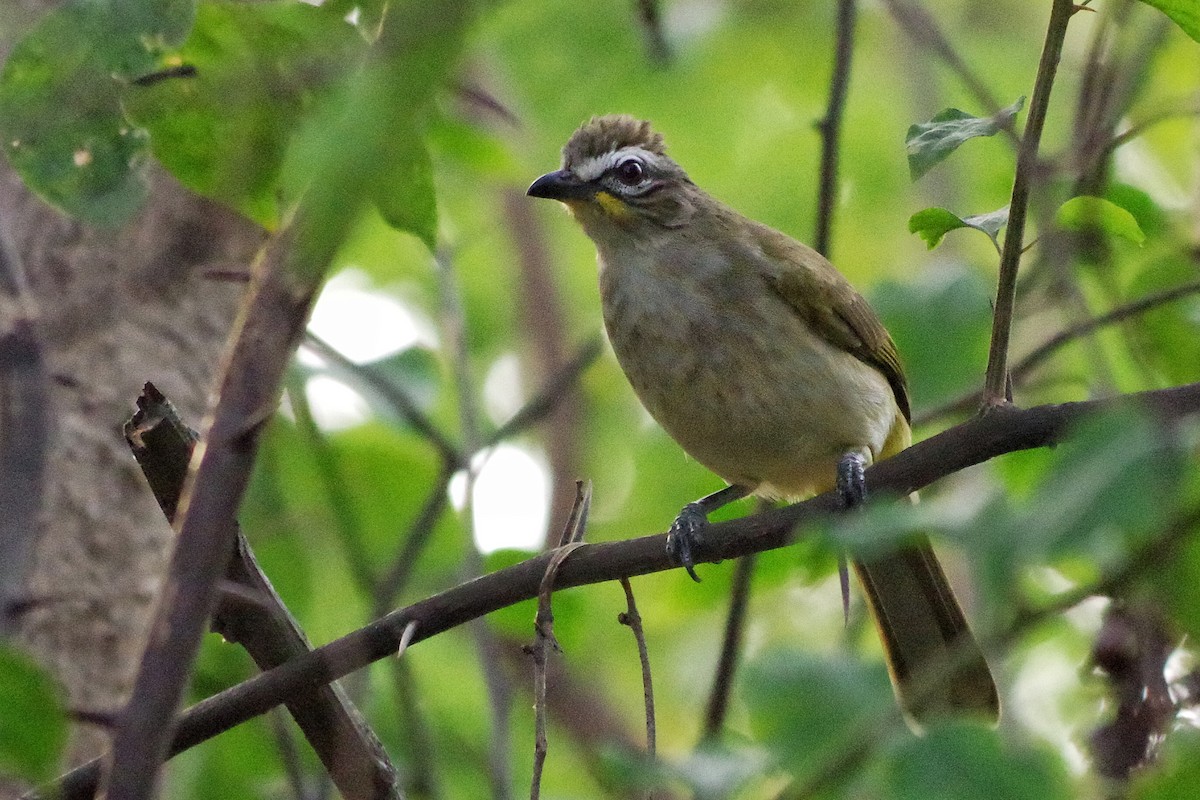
(543, 642)
(650, 19)
(576, 524)
(922, 27)
(634, 620)
(1141, 126)
(731, 645)
(830, 125)
(549, 396)
(1064, 337)
(570, 540)
(997, 369)
(477, 97)
(1007, 429)
(393, 394)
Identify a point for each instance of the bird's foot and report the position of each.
(851, 484)
(685, 536)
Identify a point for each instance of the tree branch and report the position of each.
(997, 369)
(1059, 340)
(831, 125)
(348, 748)
(272, 324)
(1005, 430)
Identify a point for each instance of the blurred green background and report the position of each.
(475, 332)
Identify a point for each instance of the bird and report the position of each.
(759, 358)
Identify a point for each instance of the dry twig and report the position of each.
(543, 626)
(631, 618)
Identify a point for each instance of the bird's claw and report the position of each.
(851, 484)
(685, 535)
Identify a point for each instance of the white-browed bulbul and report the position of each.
(761, 360)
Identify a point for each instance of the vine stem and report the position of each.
(994, 387)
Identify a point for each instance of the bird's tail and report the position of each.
(936, 665)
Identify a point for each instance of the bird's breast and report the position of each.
(735, 376)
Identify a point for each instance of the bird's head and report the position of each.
(618, 181)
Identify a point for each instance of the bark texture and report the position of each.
(115, 308)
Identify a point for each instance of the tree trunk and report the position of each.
(114, 308)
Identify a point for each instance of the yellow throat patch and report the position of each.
(612, 206)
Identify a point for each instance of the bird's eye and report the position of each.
(630, 172)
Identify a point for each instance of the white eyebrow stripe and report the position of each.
(596, 166)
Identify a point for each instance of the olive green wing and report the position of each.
(832, 308)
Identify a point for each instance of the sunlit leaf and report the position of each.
(928, 143)
(33, 726)
(406, 200)
(1086, 213)
(372, 134)
(1184, 13)
(1150, 216)
(61, 121)
(260, 67)
(931, 224)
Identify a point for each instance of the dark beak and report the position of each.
(561, 185)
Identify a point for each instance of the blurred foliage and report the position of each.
(33, 728)
(282, 91)
(1085, 213)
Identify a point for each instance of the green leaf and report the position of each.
(928, 143)
(1086, 213)
(33, 727)
(959, 299)
(260, 69)
(931, 224)
(960, 760)
(373, 133)
(812, 710)
(61, 121)
(406, 201)
(1115, 477)
(1184, 13)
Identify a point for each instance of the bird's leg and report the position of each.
(851, 485)
(686, 530)
(852, 489)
